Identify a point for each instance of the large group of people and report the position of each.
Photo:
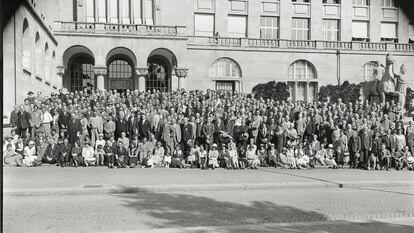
(206, 130)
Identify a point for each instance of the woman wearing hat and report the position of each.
(234, 160)
(272, 155)
(252, 160)
(213, 155)
(330, 157)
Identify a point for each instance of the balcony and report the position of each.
(127, 29)
(255, 43)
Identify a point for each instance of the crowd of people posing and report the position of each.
(205, 130)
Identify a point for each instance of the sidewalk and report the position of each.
(93, 181)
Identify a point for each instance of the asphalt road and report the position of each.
(286, 210)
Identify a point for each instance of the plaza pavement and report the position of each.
(52, 180)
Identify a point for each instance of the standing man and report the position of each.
(366, 146)
(35, 121)
(74, 129)
(46, 120)
(24, 118)
(187, 134)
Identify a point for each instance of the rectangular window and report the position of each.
(331, 2)
(203, 24)
(388, 3)
(330, 30)
(149, 12)
(360, 2)
(388, 31)
(269, 27)
(300, 29)
(125, 13)
(102, 11)
(236, 26)
(114, 11)
(359, 30)
(90, 11)
(137, 12)
(205, 4)
(227, 86)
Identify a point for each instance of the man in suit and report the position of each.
(168, 135)
(74, 129)
(133, 126)
(146, 127)
(23, 122)
(177, 130)
(14, 117)
(199, 125)
(52, 152)
(35, 121)
(121, 125)
(354, 148)
(208, 134)
(64, 119)
(366, 146)
(187, 135)
(254, 128)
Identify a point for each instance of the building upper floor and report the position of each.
(380, 25)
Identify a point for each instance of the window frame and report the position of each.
(272, 28)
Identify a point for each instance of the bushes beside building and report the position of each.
(346, 91)
(272, 90)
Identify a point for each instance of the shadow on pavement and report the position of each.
(174, 210)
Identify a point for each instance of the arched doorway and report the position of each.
(303, 81)
(121, 70)
(161, 63)
(226, 73)
(79, 75)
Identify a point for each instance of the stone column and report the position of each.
(181, 74)
(142, 74)
(100, 73)
(60, 71)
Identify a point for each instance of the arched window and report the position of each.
(47, 63)
(82, 74)
(368, 70)
(26, 46)
(225, 67)
(120, 68)
(302, 69)
(302, 82)
(38, 53)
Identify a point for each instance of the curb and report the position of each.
(130, 189)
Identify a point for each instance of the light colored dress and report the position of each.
(29, 156)
(88, 155)
(212, 156)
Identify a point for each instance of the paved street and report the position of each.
(53, 199)
(232, 211)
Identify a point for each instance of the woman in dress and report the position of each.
(234, 161)
(202, 157)
(252, 160)
(30, 157)
(213, 155)
(178, 157)
(302, 160)
(158, 154)
(11, 158)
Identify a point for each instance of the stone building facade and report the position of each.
(200, 44)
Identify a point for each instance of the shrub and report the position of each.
(346, 91)
(277, 91)
(408, 98)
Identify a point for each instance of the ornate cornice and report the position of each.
(100, 70)
(181, 72)
(141, 71)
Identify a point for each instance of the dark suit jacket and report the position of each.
(366, 140)
(187, 132)
(121, 125)
(208, 130)
(355, 144)
(146, 128)
(64, 119)
(133, 125)
(24, 120)
(13, 118)
(52, 154)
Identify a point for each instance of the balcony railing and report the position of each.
(298, 44)
(134, 29)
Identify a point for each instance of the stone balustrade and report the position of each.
(134, 29)
(157, 30)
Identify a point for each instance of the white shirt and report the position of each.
(46, 117)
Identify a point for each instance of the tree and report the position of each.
(347, 92)
(409, 98)
(277, 91)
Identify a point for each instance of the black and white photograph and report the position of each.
(199, 116)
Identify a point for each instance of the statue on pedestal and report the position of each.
(391, 85)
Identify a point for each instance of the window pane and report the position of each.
(149, 12)
(114, 11)
(137, 12)
(236, 26)
(388, 30)
(125, 11)
(359, 29)
(102, 11)
(204, 25)
(90, 16)
(224, 67)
